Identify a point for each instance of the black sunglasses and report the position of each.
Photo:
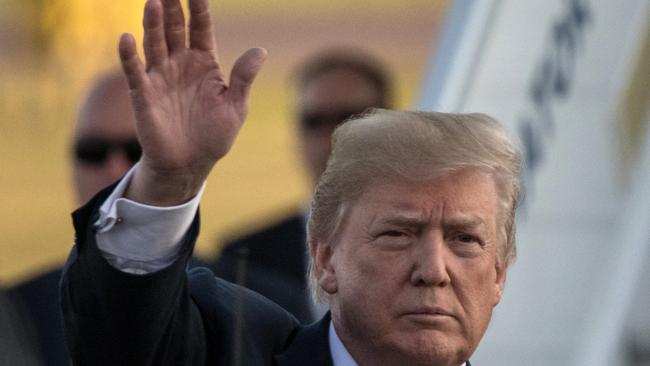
(95, 150)
(317, 120)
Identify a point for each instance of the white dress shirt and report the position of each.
(340, 354)
(140, 239)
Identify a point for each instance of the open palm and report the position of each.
(187, 115)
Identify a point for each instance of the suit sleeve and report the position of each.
(116, 318)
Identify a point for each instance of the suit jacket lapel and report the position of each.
(310, 346)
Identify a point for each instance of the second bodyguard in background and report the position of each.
(332, 85)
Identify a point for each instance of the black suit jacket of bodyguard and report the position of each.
(276, 264)
(174, 317)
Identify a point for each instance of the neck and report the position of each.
(371, 353)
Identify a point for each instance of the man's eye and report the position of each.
(393, 239)
(467, 238)
(393, 233)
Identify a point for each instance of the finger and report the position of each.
(155, 45)
(201, 34)
(174, 25)
(131, 64)
(241, 78)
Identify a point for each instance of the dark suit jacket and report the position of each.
(37, 301)
(17, 346)
(275, 260)
(174, 317)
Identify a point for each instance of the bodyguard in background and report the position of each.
(331, 85)
(104, 147)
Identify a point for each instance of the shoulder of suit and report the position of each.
(224, 306)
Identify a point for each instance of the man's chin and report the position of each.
(434, 347)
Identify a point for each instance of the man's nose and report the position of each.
(430, 268)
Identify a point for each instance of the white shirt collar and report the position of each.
(340, 355)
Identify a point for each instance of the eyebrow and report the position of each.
(457, 221)
(402, 220)
(464, 221)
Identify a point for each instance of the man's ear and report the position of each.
(500, 282)
(322, 255)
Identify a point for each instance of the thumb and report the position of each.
(242, 75)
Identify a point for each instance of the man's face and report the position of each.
(323, 104)
(105, 144)
(413, 276)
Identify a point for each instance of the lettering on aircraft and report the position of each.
(551, 83)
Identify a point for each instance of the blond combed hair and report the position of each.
(384, 144)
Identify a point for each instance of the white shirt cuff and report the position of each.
(138, 238)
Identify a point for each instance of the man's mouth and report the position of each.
(429, 314)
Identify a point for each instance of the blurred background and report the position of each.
(52, 50)
(570, 79)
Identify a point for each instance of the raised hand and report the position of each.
(187, 115)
